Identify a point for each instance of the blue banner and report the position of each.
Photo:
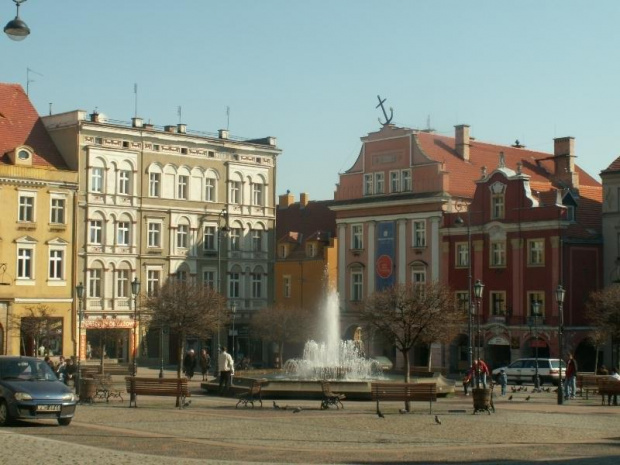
(385, 264)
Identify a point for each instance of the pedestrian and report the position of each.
(189, 364)
(227, 370)
(205, 363)
(467, 380)
(616, 377)
(60, 369)
(503, 381)
(482, 371)
(70, 371)
(570, 385)
(89, 350)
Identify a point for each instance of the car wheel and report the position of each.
(64, 421)
(5, 418)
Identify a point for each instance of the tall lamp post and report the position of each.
(560, 292)
(234, 312)
(478, 288)
(16, 29)
(223, 215)
(135, 290)
(470, 310)
(79, 290)
(161, 352)
(534, 324)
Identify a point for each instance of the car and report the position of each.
(30, 390)
(384, 363)
(523, 370)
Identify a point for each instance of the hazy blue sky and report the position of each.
(309, 72)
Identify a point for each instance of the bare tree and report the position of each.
(38, 327)
(281, 324)
(187, 309)
(407, 315)
(603, 310)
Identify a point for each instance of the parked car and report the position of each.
(29, 389)
(523, 370)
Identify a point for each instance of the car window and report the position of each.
(554, 364)
(529, 364)
(24, 369)
(517, 364)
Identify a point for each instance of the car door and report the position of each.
(513, 371)
(528, 371)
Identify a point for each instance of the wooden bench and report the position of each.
(405, 392)
(330, 398)
(253, 394)
(173, 387)
(588, 382)
(608, 387)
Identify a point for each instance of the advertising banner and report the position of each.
(385, 264)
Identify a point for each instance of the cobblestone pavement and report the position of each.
(212, 431)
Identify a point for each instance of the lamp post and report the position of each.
(559, 297)
(135, 290)
(16, 29)
(161, 352)
(470, 311)
(79, 290)
(223, 215)
(234, 312)
(534, 323)
(478, 288)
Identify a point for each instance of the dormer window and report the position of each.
(21, 156)
(498, 210)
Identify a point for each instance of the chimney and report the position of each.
(304, 198)
(461, 140)
(137, 122)
(182, 128)
(223, 133)
(170, 128)
(564, 161)
(286, 200)
(94, 117)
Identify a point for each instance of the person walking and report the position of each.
(205, 364)
(570, 385)
(503, 381)
(616, 377)
(189, 364)
(227, 370)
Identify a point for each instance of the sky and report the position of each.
(309, 72)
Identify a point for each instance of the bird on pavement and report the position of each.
(379, 414)
(402, 410)
(437, 420)
(525, 389)
(510, 398)
(186, 404)
(297, 410)
(514, 389)
(276, 406)
(527, 398)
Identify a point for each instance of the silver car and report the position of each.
(523, 370)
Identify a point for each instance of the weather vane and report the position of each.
(387, 120)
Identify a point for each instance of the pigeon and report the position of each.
(186, 404)
(437, 420)
(527, 398)
(276, 406)
(514, 389)
(297, 410)
(380, 414)
(525, 389)
(402, 410)
(510, 398)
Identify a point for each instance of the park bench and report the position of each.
(405, 392)
(252, 394)
(105, 387)
(173, 387)
(330, 398)
(588, 382)
(608, 387)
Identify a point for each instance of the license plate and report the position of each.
(48, 408)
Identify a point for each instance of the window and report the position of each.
(122, 283)
(498, 303)
(208, 238)
(419, 233)
(462, 254)
(25, 267)
(497, 206)
(57, 211)
(357, 285)
(311, 249)
(257, 194)
(209, 190)
(122, 233)
(56, 264)
(154, 184)
(418, 275)
(233, 285)
(283, 251)
(153, 280)
(26, 208)
(182, 236)
(394, 181)
(462, 301)
(357, 237)
(182, 187)
(536, 296)
(235, 239)
(182, 276)
(257, 285)
(154, 235)
(286, 286)
(96, 180)
(124, 177)
(235, 192)
(257, 240)
(208, 278)
(498, 254)
(379, 183)
(368, 184)
(96, 232)
(94, 282)
(536, 252)
(406, 181)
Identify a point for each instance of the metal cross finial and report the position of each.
(387, 120)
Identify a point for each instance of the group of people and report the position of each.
(602, 370)
(225, 363)
(65, 369)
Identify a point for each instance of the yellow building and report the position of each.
(37, 192)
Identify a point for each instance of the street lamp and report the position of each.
(478, 288)
(223, 215)
(135, 290)
(459, 221)
(79, 290)
(559, 297)
(534, 323)
(161, 352)
(234, 312)
(16, 29)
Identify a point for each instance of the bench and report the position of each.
(253, 394)
(587, 382)
(106, 388)
(173, 387)
(404, 392)
(330, 398)
(608, 387)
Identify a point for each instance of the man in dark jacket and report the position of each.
(189, 364)
(570, 386)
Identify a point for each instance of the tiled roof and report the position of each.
(20, 125)
(615, 166)
(312, 220)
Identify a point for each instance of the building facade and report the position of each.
(611, 221)
(157, 203)
(37, 191)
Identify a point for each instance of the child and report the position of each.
(503, 381)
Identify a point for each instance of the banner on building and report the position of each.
(385, 263)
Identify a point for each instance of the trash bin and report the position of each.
(87, 390)
(482, 400)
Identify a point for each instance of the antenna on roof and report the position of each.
(28, 80)
(227, 117)
(180, 112)
(135, 91)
